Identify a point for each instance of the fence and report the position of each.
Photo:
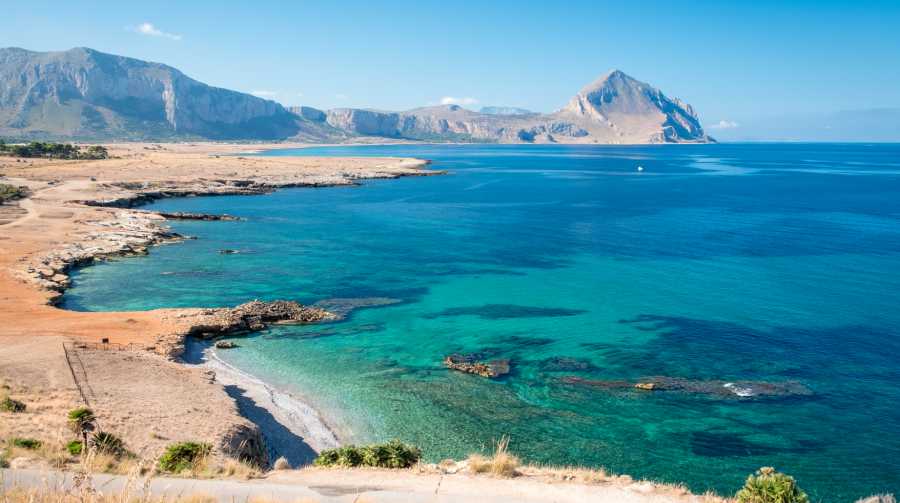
(84, 378)
(111, 346)
(75, 377)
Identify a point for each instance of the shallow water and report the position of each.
(715, 265)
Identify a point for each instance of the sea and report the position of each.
(757, 284)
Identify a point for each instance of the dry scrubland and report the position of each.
(151, 401)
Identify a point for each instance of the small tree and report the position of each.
(81, 422)
(771, 487)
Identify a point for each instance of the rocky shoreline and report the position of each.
(131, 195)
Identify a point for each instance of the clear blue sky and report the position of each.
(731, 60)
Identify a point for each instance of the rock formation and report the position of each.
(89, 95)
(467, 363)
(698, 387)
(86, 93)
(618, 108)
(614, 109)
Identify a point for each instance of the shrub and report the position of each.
(771, 487)
(10, 405)
(179, 457)
(27, 443)
(282, 464)
(393, 454)
(107, 443)
(74, 447)
(80, 417)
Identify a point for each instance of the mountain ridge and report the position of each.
(87, 94)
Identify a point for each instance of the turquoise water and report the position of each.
(713, 264)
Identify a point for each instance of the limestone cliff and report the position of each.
(86, 93)
(619, 109)
(615, 108)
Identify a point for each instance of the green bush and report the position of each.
(393, 454)
(74, 447)
(80, 417)
(27, 443)
(107, 443)
(771, 487)
(179, 457)
(10, 405)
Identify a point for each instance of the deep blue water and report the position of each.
(715, 264)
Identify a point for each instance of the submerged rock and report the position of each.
(698, 387)
(465, 363)
(225, 345)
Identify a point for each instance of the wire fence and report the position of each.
(110, 346)
(70, 355)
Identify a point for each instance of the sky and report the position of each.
(734, 61)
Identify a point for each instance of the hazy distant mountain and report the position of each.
(83, 93)
(504, 111)
(877, 125)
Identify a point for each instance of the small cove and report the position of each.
(728, 263)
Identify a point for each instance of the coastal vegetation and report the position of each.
(37, 149)
(183, 456)
(8, 191)
(26, 443)
(391, 454)
(10, 405)
(770, 487)
(108, 443)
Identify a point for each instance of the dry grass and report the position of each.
(82, 488)
(502, 464)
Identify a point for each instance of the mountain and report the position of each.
(504, 111)
(615, 108)
(86, 94)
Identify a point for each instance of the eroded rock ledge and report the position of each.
(225, 321)
(125, 234)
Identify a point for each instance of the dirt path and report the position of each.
(381, 486)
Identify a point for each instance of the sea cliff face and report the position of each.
(363, 121)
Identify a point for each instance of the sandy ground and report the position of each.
(140, 397)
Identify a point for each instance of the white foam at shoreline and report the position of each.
(291, 413)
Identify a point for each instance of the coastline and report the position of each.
(83, 219)
(293, 428)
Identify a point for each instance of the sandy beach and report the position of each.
(294, 430)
